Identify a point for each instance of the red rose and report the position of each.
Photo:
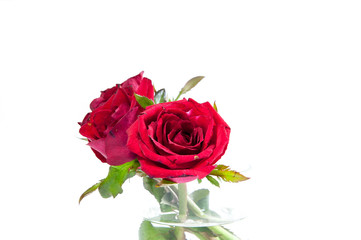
(179, 141)
(112, 114)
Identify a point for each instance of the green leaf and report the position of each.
(143, 101)
(228, 175)
(84, 139)
(199, 180)
(189, 85)
(150, 185)
(89, 191)
(148, 232)
(201, 198)
(112, 184)
(213, 181)
(160, 96)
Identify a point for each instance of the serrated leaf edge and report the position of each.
(223, 171)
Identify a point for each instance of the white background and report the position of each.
(285, 75)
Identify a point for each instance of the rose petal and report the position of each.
(179, 112)
(219, 147)
(151, 114)
(222, 136)
(152, 155)
(219, 120)
(181, 138)
(143, 133)
(159, 131)
(161, 149)
(99, 147)
(146, 88)
(101, 119)
(134, 139)
(131, 85)
(99, 155)
(187, 148)
(113, 146)
(120, 103)
(116, 149)
(88, 129)
(104, 96)
(202, 121)
(197, 137)
(178, 175)
(178, 160)
(152, 128)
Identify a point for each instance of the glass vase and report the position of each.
(188, 213)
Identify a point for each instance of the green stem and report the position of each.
(180, 93)
(179, 233)
(182, 198)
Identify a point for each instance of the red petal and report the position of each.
(104, 96)
(177, 175)
(132, 84)
(134, 139)
(113, 146)
(146, 88)
(88, 129)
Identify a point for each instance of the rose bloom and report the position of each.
(179, 141)
(111, 115)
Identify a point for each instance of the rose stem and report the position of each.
(182, 198)
(182, 195)
(179, 233)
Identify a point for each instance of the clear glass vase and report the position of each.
(188, 212)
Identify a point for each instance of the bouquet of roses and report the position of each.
(137, 130)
